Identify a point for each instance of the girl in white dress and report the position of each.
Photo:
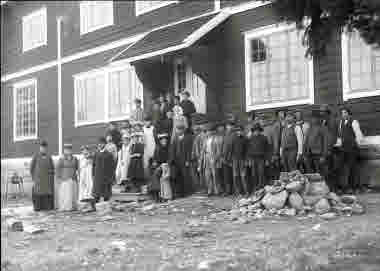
(178, 117)
(123, 160)
(149, 144)
(85, 176)
(67, 169)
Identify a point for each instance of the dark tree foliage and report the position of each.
(324, 17)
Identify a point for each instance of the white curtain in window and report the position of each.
(96, 14)
(34, 30)
(124, 88)
(25, 119)
(278, 68)
(364, 65)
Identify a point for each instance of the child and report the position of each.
(257, 155)
(227, 169)
(111, 146)
(137, 115)
(149, 144)
(291, 144)
(196, 155)
(178, 117)
(235, 156)
(85, 177)
(217, 153)
(188, 107)
(136, 168)
(209, 162)
(123, 160)
(115, 133)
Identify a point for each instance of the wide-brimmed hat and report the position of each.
(43, 143)
(256, 127)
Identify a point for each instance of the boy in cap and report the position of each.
(236, 157)
(103, 170)
(42, 172)
(316, 146)
(257, 156)
(137, 114)
(291, 144)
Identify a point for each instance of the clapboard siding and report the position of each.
(230, 3)
(47, 116)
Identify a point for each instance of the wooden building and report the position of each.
(70, 67)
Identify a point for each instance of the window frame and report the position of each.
(106, 73)
(17, 86)
(256, 34)
(139, 11)
(82, 6)
(348, 94)
(25, 19)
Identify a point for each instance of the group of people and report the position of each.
(160, 150)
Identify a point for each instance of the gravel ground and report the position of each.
(182, 236)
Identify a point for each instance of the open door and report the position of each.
(185, 79)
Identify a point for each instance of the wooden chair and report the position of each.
(15, 179)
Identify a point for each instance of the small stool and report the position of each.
(17, 180)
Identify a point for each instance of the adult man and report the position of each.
(305, 126)
(103, 173)
(349, 138)
(42, 172)
(180, 159)
(227, 165)
(291, 144)
(188, 107)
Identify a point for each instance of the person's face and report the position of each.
(239, 132)
(138, 105)
(156, 106)
(169, 97)
(68, 152)
(148, 123)
(86, 153)
(345, 114)
(298, 115)
(125, 140)
(162, 99)
(43, 149)
(169, 115)
(109, 139)
(221, 129)
(184, 97)
(256, 132)
(164, 142)
(229, 127)
(112, 127)
(289, 119)
(281, 115)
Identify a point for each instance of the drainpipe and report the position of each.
(59, 69)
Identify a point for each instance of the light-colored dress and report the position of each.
(85, 179)
(123, 163)
(178, 119)
(111, 147)
(166, 189)
(149, 146)
(68, 184)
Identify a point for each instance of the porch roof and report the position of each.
(170, 38)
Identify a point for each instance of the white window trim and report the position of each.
(259, 32)
(347, 92)
(25, 19)
(82, 6)
(163, 4)
(93, 73)
(16, 86)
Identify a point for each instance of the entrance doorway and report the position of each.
(186, 79)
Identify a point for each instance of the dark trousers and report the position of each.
(348, 178)
(227, 178)
(289, 159)
(183, 181)
(332, 166)
(313, 164)
(42, 202)
(257, 173)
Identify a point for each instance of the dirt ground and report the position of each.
(185, 236)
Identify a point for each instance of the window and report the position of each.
(143, 6)
(277, 72)
(34, 30)
(95, 15)
(105, 95)
(25, 110)
(360, 67)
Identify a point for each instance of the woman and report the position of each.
(85, 177)
(149, 144)
(123, 160)
(178, 118)
(136, 168)
(67, 169)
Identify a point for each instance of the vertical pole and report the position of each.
(59, 69)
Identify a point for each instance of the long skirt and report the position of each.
(166, 188)
(67, 195)
(42, 202)
(85, 188)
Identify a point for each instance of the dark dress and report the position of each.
(136, 167)
(104, 174)
(180, 158)
(116, 137)
(42, 172)
(188, 108)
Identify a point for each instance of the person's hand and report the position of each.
(199, 169)
(267, 163)
(187, 164)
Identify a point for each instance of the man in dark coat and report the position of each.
(188, 107)
(180, 160)
(42, 172)
(103, 172)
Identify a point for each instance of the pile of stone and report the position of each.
(296, 194)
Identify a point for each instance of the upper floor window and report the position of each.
(34, 30)
(106, 95)
(95, 15)
(143, 6)
(277, 72)
(25, 110)
(361, 67)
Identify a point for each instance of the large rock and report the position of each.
(295, 186)
(318, 188)
(295, 201)
(311, 200)
(275, 201)
(322, 206)
(333, 197)
(348, 199)
(314, 177)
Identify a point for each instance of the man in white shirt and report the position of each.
(349, 138)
